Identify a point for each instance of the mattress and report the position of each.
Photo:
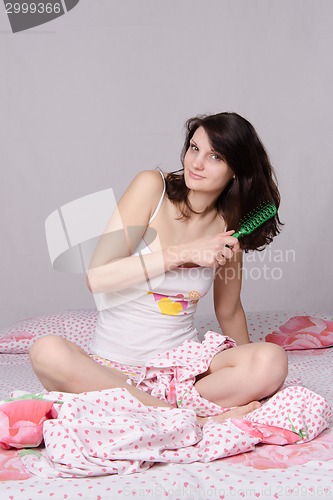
(269, 471)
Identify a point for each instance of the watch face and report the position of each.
(27, 14)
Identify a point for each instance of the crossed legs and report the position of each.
(236, 377)
(62, 366)
(245, 373)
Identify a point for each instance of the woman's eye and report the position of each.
(194, 147)
(216, 157)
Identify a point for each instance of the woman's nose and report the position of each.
(198, 162)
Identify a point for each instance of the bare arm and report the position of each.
(227, 302)
(113, 267)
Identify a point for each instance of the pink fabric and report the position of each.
(299, 332)
(268, 434)
(76, 325)
(171, 375)
(317, 452)
(11, 466)
(132, 371)
(296, 409)
(110, 432)
(303, 332)
(21, 422)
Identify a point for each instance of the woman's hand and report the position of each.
(209, 251)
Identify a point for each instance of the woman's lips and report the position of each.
(194, 176)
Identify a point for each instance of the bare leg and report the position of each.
(238, 412)
(242, 374)
(61, 365)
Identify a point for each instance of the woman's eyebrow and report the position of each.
(192, 141)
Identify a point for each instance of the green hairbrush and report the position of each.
(255, 219)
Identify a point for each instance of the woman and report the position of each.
(150, 288)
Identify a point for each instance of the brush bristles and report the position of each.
(257, 218)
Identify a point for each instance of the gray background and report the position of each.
(97, 95)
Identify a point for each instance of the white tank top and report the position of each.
(159, 319)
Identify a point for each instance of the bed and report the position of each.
(269, 471)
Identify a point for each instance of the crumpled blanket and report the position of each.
(111, 432)
(171, 375)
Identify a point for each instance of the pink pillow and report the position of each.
(76, 325)
(303, 332)
(21, 422)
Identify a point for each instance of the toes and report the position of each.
(255, 405)
(251, 407)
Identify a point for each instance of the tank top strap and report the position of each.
(161, 199)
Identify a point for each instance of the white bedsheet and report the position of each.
(302, 471)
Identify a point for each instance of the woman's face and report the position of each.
(204, 169)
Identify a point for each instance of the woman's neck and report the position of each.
(202, 203)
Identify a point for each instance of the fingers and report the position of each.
(229, 246)
(229, 242)
(220, 260)
(212, 251)
(227, 252)
(223, 255)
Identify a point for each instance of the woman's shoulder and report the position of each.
(140, 198)
(149, 178)
(150, 183)
(145, 190)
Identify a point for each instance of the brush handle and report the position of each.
(256, 219)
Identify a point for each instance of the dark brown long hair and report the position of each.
(237, 142)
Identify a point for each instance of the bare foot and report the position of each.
(238, 412)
